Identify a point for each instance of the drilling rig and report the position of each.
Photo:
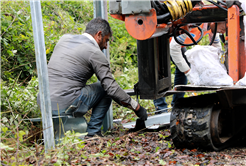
(214, 120)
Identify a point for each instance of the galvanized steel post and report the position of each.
(100, 10)
(41, 63)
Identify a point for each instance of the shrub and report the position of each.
(17, 52)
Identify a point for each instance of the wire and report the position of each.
(190, 36)
(162, 7)
(164, 17)
(223, 3)
(219, 6)
(155, 6)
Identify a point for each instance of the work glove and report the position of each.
(192, 77)
(141, 113)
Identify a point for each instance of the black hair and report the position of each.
(98, 24)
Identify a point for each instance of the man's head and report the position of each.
(100, 30)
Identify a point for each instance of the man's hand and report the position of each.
(141, 112)
(192, 77)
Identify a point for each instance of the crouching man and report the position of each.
(74, 60)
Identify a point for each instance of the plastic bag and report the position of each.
(242, 81)
(243, 5)
(206, 66)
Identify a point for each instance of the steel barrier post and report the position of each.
(100, 10)
(42, 70)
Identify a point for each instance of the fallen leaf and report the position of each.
(182, 157)
(111, 154)
(54, 160)
(227, 156)
(172, 162)
(193, 150)
(200, 155)
(168, 153)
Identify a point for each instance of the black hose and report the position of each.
(223, 3)
(190, 36)
(162, 7)
(155, 6)
(164, 18)
(217, 5)
(214, 34)
(222, 38)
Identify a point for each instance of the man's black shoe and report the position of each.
(91, 135)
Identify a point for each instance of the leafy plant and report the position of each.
(59, 17)
(19, 99)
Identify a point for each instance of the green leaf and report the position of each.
(6, 147)
(169, 144)
(21, 134)
(4, 129)
(162, 162)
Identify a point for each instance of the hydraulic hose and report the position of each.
(214, 34)
(155, 6)
(162, 7)
(164, 17)
(223, 3)
(190, 36)
(219, 6)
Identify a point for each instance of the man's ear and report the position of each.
(99, 33)
(98, 36)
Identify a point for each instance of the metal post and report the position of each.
(100, 10)
(41, 63)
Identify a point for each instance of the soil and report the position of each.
(122, 146)
(155, 148)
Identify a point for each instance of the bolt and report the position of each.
(189, 122)
(191, 110)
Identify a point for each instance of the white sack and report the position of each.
(242, 81)
(243, 5)
(206, 66)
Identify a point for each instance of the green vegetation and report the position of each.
(17, 52)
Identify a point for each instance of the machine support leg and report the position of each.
(233, 42)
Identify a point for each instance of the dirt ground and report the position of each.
(156, 148)
(122, 146)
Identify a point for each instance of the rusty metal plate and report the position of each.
(194, 88)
